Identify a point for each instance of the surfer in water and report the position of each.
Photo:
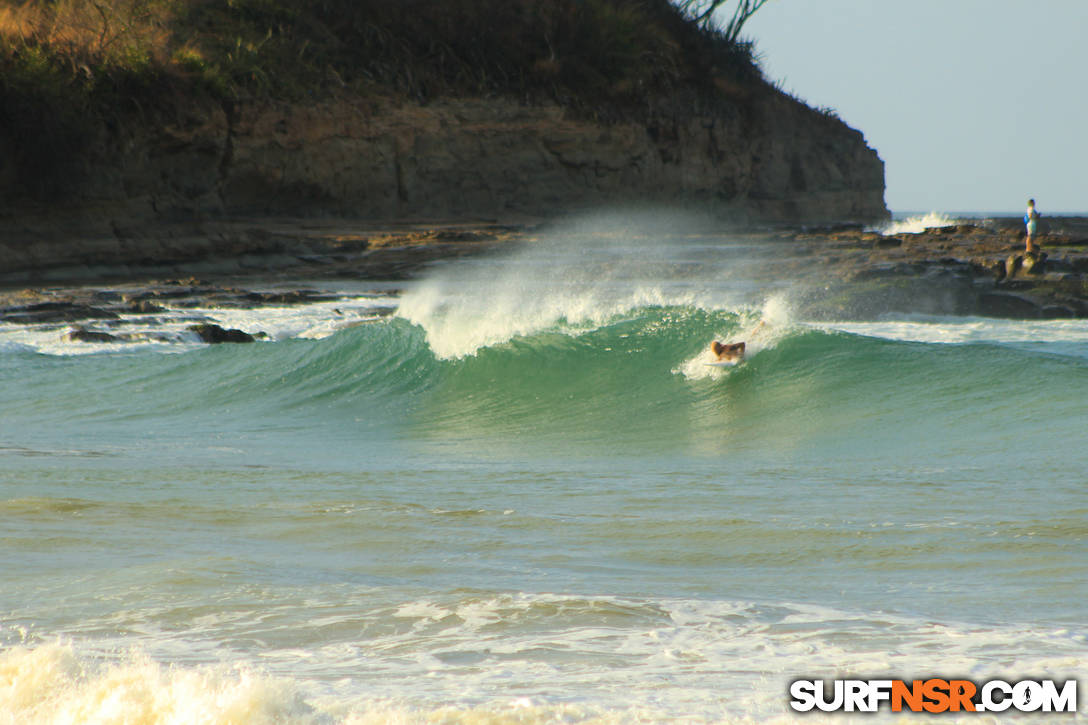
(727, 353)
(731, 352)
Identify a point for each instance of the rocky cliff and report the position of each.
(765, 159)
(777, 161)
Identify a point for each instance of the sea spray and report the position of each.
(577, 276)
(917, 224)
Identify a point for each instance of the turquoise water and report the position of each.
(525, 497)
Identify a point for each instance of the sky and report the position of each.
(974, 105)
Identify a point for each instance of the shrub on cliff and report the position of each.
(424, 48)
(590, 51)
(66, 64)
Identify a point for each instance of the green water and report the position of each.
(569, 516)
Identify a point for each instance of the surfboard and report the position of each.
(722, 363)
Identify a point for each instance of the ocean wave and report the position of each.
(579, 276)
(635, 378)
(468, 657)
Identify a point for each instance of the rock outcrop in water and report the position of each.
(214, 334)
(964, 269)
(834, 273)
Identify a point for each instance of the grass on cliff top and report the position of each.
(71, 68)
(573, 51)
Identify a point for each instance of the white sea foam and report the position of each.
(311, 321)
(1062, 337)
(917, 224)
(52, 685)
(461, 318)
(528, 658)
(167, 331)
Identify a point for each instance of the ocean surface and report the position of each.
(524, 497)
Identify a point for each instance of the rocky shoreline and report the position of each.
(841, 273)
(255, 263)
(248, 247)
(972, 269)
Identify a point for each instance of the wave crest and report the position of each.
(917, 224)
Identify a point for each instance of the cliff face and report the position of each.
(771, 159)
(783, 162)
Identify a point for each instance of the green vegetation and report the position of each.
(564, 49)
(65, 62)
(704, 12)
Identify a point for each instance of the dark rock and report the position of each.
(948, 273)
(214, 334)
(294, 297)
(1079, 264)
(1058, 312)
(1034, 263)
(347, 244)
(54, 312)
(1059, 265)
(1004, 304)
(162, 293)
(1013, 265)
(82, 334)
(831, 229)
(460, 235)
(145, 307)
(886, 269)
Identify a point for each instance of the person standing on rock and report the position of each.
(1031, 221)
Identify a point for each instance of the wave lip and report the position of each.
(577, 277)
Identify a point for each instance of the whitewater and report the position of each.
(525, 497)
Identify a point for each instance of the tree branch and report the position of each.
(702, 12)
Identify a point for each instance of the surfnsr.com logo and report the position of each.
(934, 695)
